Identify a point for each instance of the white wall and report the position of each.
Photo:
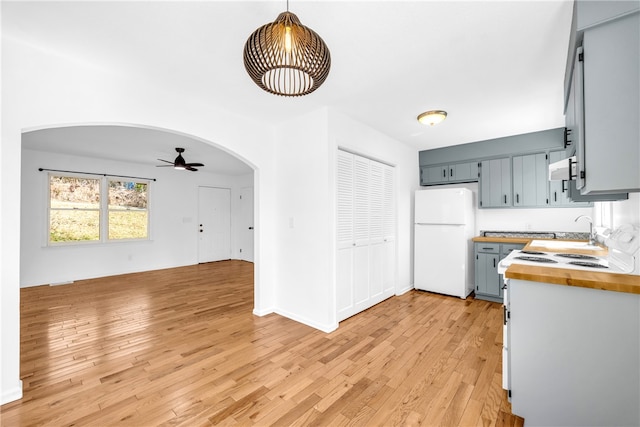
(627, 211)
(41, 88)
(173, 204)
(304, 222)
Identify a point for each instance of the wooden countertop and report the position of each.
(585, 279)
(523, 240)
(605, 281)
(527, 240)
(602, 252)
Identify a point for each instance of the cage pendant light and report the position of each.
(286, 58)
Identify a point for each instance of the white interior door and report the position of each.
(214, 220)
(246, 224)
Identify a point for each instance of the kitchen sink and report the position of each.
(565, 244)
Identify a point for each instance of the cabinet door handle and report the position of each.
(517, 198)
(494, 263)
(505, 199)
(444, 173)
(450, 173)
(487, 249)
(555, 196)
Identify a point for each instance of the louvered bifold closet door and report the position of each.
(389, 231)
(361, 230)
(345, 306)
(344, 203)
(376, 228)
(365, 233)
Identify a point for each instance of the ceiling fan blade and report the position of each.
(166, 161)
(164, 166)
(194, 164)
(189, 168)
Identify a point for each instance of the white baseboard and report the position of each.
(67, 282)
(324, 328)
(13, 394)
(404, 290)
(263, 312)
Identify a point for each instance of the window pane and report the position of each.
(74, 193)
(128, 224)
(73, 225)
(127, 194)
(128, 217)
(74, 213)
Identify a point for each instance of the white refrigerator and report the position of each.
(443, 249)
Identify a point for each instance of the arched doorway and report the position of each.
(129, 151)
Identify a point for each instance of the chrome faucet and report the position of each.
(592, 236)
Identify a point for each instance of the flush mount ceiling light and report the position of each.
(432, 117)
(286, 58)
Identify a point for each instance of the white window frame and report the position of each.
(603, 213)
(105, 224)
(103, 209)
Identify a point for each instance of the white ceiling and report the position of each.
(133, 144)
(497, 67)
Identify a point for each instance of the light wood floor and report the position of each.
(182, 347)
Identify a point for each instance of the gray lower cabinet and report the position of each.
(495, 183)
(530, 180)
(449, 173)
(488, 281)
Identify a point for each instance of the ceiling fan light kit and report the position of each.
(286, 58)
(179, 163)
(432, 117)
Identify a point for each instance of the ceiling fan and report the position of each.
(179, 162)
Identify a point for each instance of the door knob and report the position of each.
(250, 228)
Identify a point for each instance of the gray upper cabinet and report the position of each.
(495, 183)
(434, 175)
(565, 194)
(464, 172)
(449, 173)
(530, 180)
(558, 189)
(603, 84)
